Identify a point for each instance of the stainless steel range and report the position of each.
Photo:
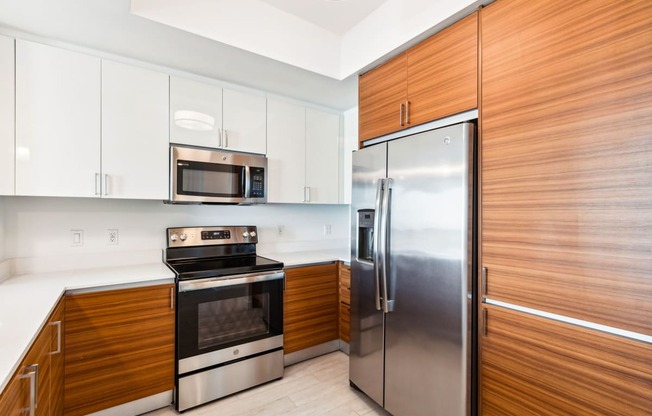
(229, 313)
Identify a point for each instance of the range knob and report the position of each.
(245, 235)
(173, 237)
(252, 234)
(183, 237)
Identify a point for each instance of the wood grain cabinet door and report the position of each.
(382, 91)
(442, 73)
(536, 366)
(56, 328)
(566, 121)
(310, 307)
(119, 347)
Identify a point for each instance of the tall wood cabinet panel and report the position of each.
(536, 366)
(7, 113)
(345, 303)
(443, 73)
(382, 91)
(56, 327)
(119, 347)
(57, 121)
(135, 137)
(310, 306)
(566, 151)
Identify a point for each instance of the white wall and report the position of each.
(42, 226)
(2, 229)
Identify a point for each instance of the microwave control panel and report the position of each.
(257, 182)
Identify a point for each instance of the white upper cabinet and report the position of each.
(195, 113)
(286, 152)
(7, 116)
(205, 115)
(244, 121)
(57, 121)
(322, 157)
(135, 145)
(303, 154)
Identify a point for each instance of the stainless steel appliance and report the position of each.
(208, 176)
(412, 273)
(229, 313)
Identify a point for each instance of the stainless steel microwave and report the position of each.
(208, 176)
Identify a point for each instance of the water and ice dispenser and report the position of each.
(366, 235)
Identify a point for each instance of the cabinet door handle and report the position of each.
(58, 325)
(97, 183)
(226, 138)
(106, 184)
(303, 194)
(307, 194)
(484, 283)
(400, 115)
(407, 112)
(32, 374)
(484, 322)
(219, 137)
(172, 298)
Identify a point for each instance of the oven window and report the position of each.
(210, 179)
(232, 319)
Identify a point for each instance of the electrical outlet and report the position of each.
(327, 229)
(280, 230)
(76, 238)
(112, 236)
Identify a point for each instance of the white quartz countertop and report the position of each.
(305, 258)
(27, 300)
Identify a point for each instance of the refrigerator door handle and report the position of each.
(388, 305)
(376, 240)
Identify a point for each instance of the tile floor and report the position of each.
(315, 387)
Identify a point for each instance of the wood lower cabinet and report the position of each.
(43, 364)
(434, 79)
(310, 306)
(345, 303)
(536, 366)
(119, 347)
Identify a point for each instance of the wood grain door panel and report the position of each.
(536, 366)
(310, 307)
(567, 158)
(381, 93)
(57, 359)
(443, 73)
(119, 347)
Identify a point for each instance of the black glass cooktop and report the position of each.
(222, 266)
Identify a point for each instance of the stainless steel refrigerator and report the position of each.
(413, 273)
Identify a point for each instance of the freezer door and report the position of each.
(366, 348)
(427, 338)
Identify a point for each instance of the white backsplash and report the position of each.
(41, 227)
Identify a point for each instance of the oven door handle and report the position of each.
(239, 279)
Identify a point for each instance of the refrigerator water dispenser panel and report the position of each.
(366, 235)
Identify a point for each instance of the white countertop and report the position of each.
(27, 300)
(301, 258)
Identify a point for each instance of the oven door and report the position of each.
(216, 315)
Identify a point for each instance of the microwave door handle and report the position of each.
(247, 183)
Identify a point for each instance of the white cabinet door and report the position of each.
(322, 157)
(244, 122)
(134, 132)
(6, 116)
(195, 113)
(286, 132)
(57, 121)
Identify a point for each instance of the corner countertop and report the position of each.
(306, 258)
(27, 300)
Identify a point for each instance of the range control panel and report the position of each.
(207, 236)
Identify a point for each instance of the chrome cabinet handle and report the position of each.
(32, 375)
(484, 322)
(303, 194)
(58, 325)
(97, 183)
(226, 138)
(376, 240)
(172, 298)
(407, 112)
(106, 184)
(387, 304)
(483, 289)
(307, 194)
(400, 115)
(219, 137)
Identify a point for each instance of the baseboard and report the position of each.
(312, 352)
(138, 407)
(344, 347)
